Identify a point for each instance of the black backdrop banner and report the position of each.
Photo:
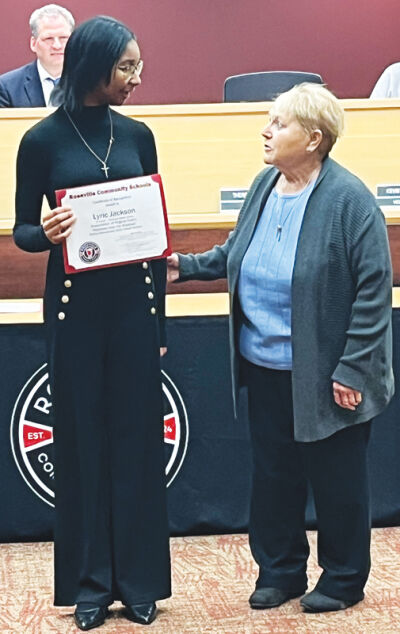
(207, 452)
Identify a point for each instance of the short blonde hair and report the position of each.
(315, 108)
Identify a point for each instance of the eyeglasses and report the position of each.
(129, 69)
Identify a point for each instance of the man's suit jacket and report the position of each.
(21, 88)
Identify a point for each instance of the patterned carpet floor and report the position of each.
(212, 579)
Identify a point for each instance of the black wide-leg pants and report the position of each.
(336, 468)
(111, 528)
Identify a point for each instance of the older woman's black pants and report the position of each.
(336, 468)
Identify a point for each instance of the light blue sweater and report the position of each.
(266, 278)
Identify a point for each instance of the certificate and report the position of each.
(117, 222)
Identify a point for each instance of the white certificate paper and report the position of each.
(116, 222)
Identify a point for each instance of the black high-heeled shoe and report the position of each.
(87, 615)
(143, 613)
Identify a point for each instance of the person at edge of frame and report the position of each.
(105, 331)
(30, 86)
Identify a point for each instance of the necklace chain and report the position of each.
(281, 223)
(104, 167)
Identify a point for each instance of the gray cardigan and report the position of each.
(341, 298)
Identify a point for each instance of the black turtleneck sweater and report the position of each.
(52, 156)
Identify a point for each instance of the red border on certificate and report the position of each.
(60, 193)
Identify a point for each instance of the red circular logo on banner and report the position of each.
(32, 433)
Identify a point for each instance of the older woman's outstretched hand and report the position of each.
(173, 267)
(345, 396)
(57, 224)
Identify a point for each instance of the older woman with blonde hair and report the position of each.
(309, 276)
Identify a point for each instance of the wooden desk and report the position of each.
(201, 149)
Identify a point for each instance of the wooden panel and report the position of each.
(197, 241)
(202, 148)
(394, 242)
(22, 275)
(205, 147)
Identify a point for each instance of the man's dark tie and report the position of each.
(54, 82)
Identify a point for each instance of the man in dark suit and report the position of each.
(31, 85)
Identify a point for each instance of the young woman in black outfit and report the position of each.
(105, 331)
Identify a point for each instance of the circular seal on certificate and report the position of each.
(89, 252)
(31, 433)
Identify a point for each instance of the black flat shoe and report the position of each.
(143, 613)
(86, 618)
(264, 598)
(317, 602)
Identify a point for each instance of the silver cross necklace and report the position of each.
(104, 167)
